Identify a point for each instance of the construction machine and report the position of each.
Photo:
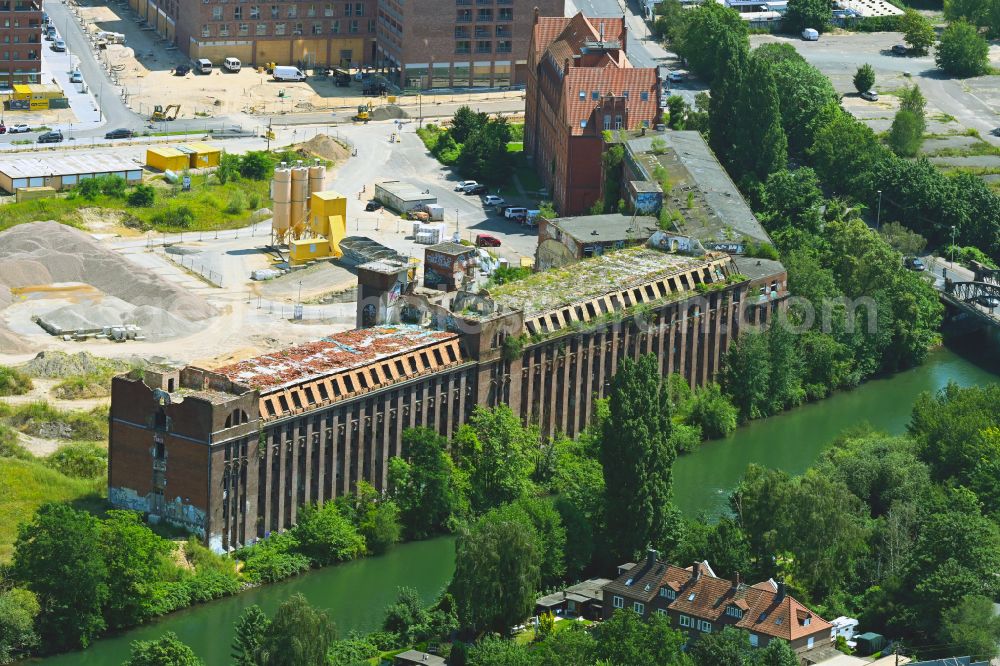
(364, 112)
(168, 113)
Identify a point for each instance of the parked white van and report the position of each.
(285, 73)
(810, 35)
(203, 66)
(512, 212)
(232, 64)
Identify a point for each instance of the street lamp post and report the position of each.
(878, 216)
(953, 246)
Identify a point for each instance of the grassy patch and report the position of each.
(13, 381)
(525, 174)
(976, 149)
(40, 419)
(27, 484)
(515, 146)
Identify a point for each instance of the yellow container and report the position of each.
(306, 249)
(165, 158)
(201, 155)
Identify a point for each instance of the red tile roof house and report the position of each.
(580, 83)
(698, 602)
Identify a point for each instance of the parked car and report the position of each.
(870, 95)
(51, 137)
(478, 188)
(493, 200)
(676, 77)
(18, 129)
(900, 49)
(462, 184)
(995, 131)
(987, 301)
(50, 33)
(182, 70)
(373, 205)
(120, 133)
(485, 240)
(59, 45)
(76, 77)
(810, 35)
(915, 264)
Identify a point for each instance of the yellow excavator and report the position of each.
(364, 112)
(168, 113)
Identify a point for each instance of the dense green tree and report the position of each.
(484, 153)
(746, 371)
(907, 132)
(133, 556)
(804, 14)
(229, 168)
(18, 610)
(497, 451)
(298, 635)
(250, 629)
(424, 484)
(804, 94)
(465, 123)
(497, 573)
(784, 381)
(670, 20)
(726, 102)
(727, 549)
(918, 31)
(971, 627)
(792, 198)
(980, 13)
(142, 196)
(677, 109)
(712, 412)
(167, 650)
(578, 482)
(58, 556)
(492, 650)
(626, 638)
(540, 515)
(761, 146)
(637, 459)
(325, 536)
(952, 430)
(729, 647)
(778, 653)
(902, 240)
(864, 78)
(759, 498)
(407, 616)
(962, 51)
(573, 645)
(376, 517)
(256, 165)
(706, 27)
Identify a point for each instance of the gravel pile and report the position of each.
(46, 252)
(388, 112)
(58, 364)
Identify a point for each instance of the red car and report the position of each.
(485, 240)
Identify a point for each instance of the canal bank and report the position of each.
(356, 593)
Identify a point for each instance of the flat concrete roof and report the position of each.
(606, 228)
(718, 212)
(452, 249)
(405, 191)
(65, 165)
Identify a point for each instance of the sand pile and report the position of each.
(322, 145)
(58, 364)
(47, 252)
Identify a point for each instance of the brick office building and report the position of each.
(233, 452)
(580, 83)
(313, 33)
(457, 43)
(698, 602)
(21, 31)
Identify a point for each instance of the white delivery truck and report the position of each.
(203, 66)
(232, 64)
(286, 73)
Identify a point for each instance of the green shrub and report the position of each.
(176, 216)
(143, 196)
(256, 165)
(80, 460)
(712, 412)
(87, 188)
(9, 446)
(685, 438)
(112, 186)
(761, 251)
(36, 418)
(13, 381)
(272, 559)
(237, 203)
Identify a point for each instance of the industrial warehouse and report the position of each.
(232, 453)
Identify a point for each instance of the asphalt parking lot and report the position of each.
(972, 103)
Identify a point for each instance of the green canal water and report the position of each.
(356, 593)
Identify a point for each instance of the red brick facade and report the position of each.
(581, 83)
(21, 31)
